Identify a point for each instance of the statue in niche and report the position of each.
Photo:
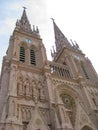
(41, 91)
(27, 88)
(34, 91)
(20, 86)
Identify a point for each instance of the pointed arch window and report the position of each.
(22, 54)
(32, 57)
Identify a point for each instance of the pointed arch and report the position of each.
(63, 87)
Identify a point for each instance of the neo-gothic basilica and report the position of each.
(38, 94)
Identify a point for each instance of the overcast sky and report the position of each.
(78, 20)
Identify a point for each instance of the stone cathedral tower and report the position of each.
(37, 94)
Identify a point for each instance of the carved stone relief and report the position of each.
(31, 88)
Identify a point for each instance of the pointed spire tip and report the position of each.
(52, 19)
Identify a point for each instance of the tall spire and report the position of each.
(24, 16)
(60, 40)
(23, 23)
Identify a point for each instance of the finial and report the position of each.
(52, 19)
(52, 53)
(24, 8)
(76, 44)
(33, 28)
(37, 30)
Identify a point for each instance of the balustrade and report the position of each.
(60, 70)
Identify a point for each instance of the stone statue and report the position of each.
(35, 91)
(20, 87)
(41, 91)
(27, 88)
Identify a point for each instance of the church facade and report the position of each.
(38, 94)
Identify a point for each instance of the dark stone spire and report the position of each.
(60, 40)
(23, 24)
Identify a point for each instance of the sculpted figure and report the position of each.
(34, 90)
(27, 88)
(41, 91)
(20, 87)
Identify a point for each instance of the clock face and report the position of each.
(27, 40)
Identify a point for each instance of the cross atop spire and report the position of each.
(24, 7)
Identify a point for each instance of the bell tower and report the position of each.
(25, 45)
(22, 84)
(68, 53)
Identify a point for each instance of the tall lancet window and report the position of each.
(32, 57)
(22, 54)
